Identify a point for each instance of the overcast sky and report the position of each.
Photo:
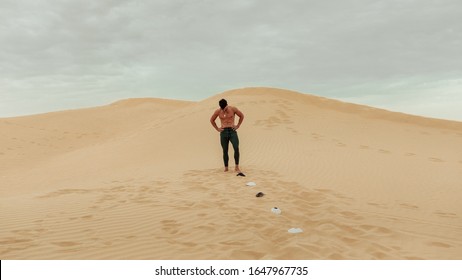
(400, 55)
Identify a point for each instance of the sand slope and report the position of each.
(142, 179)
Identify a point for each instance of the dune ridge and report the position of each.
(143, 179)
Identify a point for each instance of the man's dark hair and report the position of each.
(223, 103)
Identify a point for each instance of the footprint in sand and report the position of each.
(439, 244)
(445, 214)
(170, 226)
(294, 131)
(435, 159)
(317, 136)
(409, 206)
(376, 229)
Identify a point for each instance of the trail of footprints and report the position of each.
(339, 144)
(280, 117)
(41, 138)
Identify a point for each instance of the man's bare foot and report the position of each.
(226, 169)
(237, 169)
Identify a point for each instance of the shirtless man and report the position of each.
(228, 130)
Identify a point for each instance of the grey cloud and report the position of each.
(192, 49)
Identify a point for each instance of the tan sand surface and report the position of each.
(143, 179)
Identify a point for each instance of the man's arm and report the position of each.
(212, 120)
(241, 117)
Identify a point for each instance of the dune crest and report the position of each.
(142, 179)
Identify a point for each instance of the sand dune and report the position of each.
(143, 179)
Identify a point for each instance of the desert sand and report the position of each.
(143, 179)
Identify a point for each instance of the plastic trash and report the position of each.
(276, 210)
(295, 230)
(251, 184)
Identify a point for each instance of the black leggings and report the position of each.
(227, 135)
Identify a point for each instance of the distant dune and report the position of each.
(143, 179)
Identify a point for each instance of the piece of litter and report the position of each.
(251, 184)
(276, 210)
(295, 230)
